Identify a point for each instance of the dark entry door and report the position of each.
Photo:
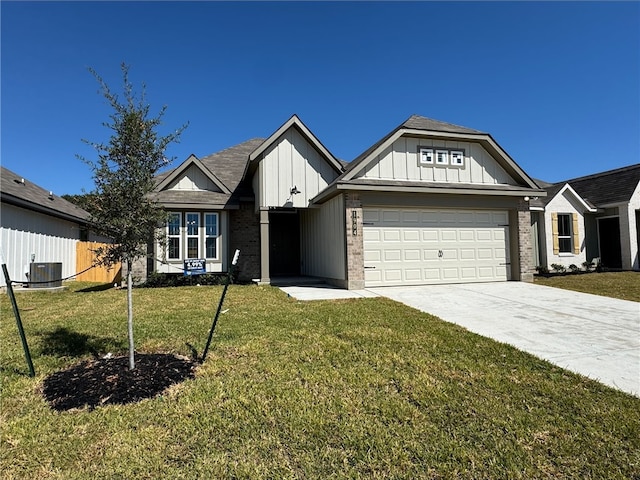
(284, 248)
(609, 235)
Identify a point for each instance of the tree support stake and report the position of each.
(16, 312)
(224, 292)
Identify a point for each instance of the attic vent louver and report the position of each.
(19, 180)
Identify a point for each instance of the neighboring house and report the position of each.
(587, 218)
(431, 202)
(37, 226)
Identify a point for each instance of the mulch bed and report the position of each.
(109, 381)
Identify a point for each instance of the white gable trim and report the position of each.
(310, 137)
(178, 171)
(581, 201)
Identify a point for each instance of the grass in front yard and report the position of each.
(622, 285)
(364, 388)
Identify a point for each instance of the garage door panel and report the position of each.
(372, 255)
(467, 235)
(412, 255)
(370, 216)
(391, 235)
(412, 274)
(421, 246)
(430, 235)
(467, 254)
(448, 235)
(392, 255)
(411, 235)
(429, 254)
(391, 216)
(392, 275)
(469, 273)
(371, 235)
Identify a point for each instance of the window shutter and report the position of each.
(576, 237)
(554, 231)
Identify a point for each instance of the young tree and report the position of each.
(124, 176)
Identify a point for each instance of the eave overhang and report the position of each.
(430, 188)
(18, 202)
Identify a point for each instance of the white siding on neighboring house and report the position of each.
(322, 232)
(194, 179)
(25, 233)
(564, 203)
(291, 162)
(401, 161)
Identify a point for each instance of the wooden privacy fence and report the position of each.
(85, 257)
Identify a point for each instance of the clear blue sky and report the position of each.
(556, 84)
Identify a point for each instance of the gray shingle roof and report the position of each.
(31, 196)
(612, 186)
(599, 189)
(423, 123)
(227, 165)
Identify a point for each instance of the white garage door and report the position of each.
(419, 246)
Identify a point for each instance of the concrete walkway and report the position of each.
(595, 336)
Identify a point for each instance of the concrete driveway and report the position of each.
(595, 336)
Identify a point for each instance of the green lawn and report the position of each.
(364, 388)
(623, 285)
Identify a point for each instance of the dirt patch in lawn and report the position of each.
(109, 381)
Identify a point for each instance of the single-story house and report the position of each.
(586, 218)
(37, 226)
(430, 202)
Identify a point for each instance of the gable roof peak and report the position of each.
(424, 123)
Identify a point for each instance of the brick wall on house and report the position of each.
(355, 245)
(244, 235)
(525, 246)
(140, 269)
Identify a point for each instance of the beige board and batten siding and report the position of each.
(400, 161)
(322, 231)
(194, 179)
(291, 162)
(411, 246)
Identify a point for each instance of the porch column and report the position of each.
(264, 247)
(628, 237)
(525, 247)
(354, 242)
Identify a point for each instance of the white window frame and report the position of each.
(189, 236)
(216, 237)
(444, 154)
(177, 236)
(568, 237)
(426, 156)
(457, 158)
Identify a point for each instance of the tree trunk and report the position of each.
(132, 362)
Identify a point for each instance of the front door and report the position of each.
(609, 236)
(284, 248)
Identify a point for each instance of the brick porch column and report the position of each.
(525, 247)
(354, 242)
